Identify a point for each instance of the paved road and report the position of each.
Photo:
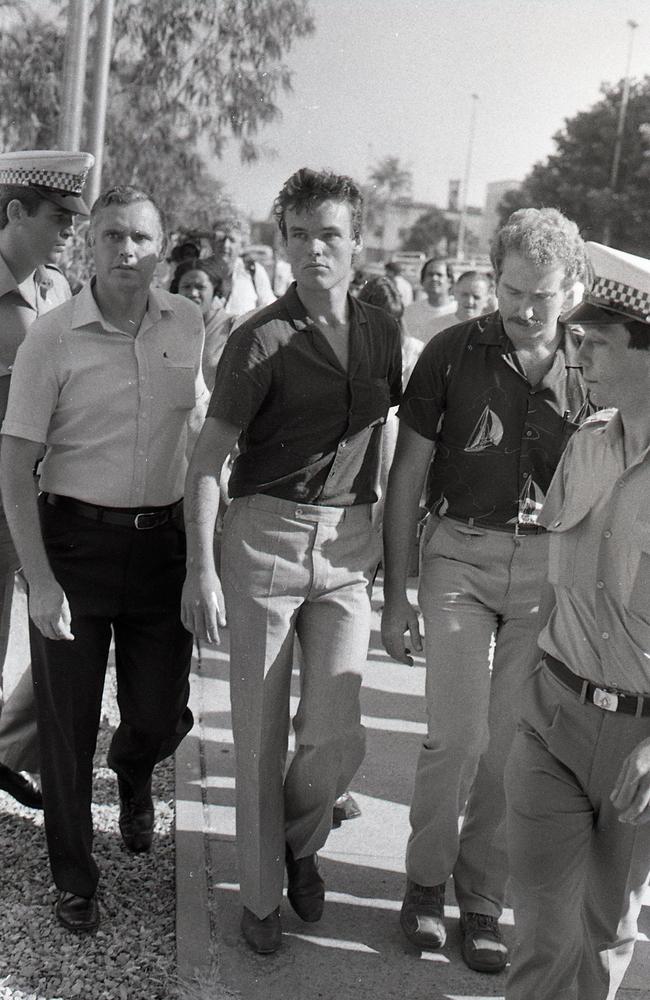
(357, 949)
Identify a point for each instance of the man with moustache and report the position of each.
(109, 385)
(304, 385)
(498, 398)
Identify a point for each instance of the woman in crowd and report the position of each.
(198, 280)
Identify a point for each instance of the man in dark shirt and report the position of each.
(498, 398)
(304, 385)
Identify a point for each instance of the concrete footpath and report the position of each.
(357, 949)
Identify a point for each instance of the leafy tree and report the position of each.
(390, 179)
(576, 177)
(430, 231)
(186, 76)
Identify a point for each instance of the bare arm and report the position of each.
(202, 608)
(405, 484)
(48, 605)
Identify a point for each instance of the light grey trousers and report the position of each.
(479, 597)
(577, 874)
(293, 571)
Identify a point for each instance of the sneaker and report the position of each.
(482, 946)
(422, 915)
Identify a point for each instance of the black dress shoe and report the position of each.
(264, 934)
(345, 807)
(20, 788)
(306, 889)
(136, 818)
(77, 913)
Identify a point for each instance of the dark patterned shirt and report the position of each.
(498, 439)
(311, 432)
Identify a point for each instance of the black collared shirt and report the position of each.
(498, 439)
(311, 431)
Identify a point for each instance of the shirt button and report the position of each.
(298, 511)
(600, 584)
(343, 444)
(556, 524)
(621, 484)
(607, 534)
(605, 635)
(529, 434)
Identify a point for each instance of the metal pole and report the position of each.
(622, 113)
(462, 225)
(74, 74)
(97, 122)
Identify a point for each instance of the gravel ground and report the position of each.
(133, 954)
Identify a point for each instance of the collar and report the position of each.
(86, 312)
(303, 321)
(7, 281)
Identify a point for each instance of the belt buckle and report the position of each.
(155, 514)
(606, 700)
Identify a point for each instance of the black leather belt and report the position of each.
(511, 529)
(128, 517)
(608, 698)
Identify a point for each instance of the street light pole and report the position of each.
(620, 129)
(97, 123)
(74, 74)
(462, 225)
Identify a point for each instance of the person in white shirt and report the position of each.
(427, 317)
(245, 287)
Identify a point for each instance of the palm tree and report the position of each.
(391, 179)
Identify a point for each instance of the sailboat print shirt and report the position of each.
(498, 439)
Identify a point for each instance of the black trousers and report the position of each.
(127, 582)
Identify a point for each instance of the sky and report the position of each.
(386, 78)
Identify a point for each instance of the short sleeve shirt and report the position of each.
(310, 430)
(498, 439)
(112, 409)
(597, 513)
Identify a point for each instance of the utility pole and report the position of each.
(622, 113)
(97, 123)
(74, 74)
(462, 225)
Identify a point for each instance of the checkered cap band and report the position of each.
(610, 294)
(55, 180)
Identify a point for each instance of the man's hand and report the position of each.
(202, 605)
(631, 795)
(398, 617)
(50, 611)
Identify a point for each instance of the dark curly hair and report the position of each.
(381, 291)
(307, 188)
(205, 264)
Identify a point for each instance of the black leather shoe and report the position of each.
(306, 889)
(345, 807)
(482, 946)
(264, 935)
(20, 788)
(422, 915)
(136, 818)
(77, 913)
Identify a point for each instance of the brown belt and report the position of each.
(129, 517)
(609, 699)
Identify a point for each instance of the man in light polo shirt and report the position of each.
(108, 384)
(578, 777)
(244, 287)
(305, 385)
(40, 193)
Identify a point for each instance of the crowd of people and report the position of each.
(177, 461)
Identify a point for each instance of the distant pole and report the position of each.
(462, 225)
(74, 74)
(97, 123)
(622, 113)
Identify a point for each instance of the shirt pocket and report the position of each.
(565, 532)
(637, 580)
(176, 386)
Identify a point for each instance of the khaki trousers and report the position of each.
(479, 596)
(578, 875)
(293, 571)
